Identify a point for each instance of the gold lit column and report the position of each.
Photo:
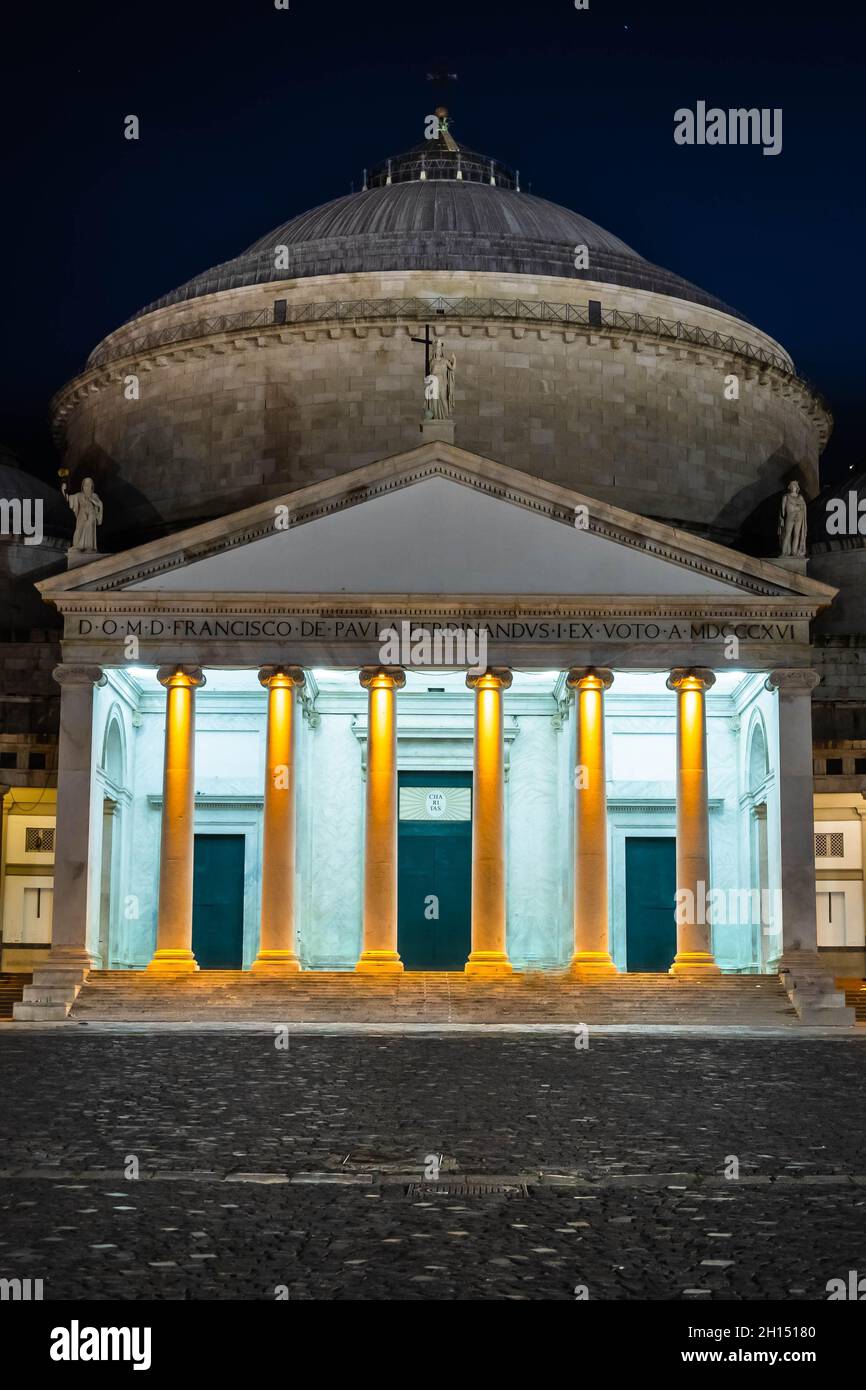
(694, 953)
(379, 955)
(591, 942)
(489, 955)
(277, 954)
(174, 924)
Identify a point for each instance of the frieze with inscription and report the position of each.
(314, 628)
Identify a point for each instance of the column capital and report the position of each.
(171, 676)
(589, 678)
(382, 677)
(494, 678)
(274, 676)
(70, 674)
(792, 682)
(691, 678)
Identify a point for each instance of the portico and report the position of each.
(627, 669)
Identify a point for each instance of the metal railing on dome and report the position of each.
(439, 307)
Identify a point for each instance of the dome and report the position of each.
(283, 367)
(438, 208)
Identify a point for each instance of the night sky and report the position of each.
(250, 114)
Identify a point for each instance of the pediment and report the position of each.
(436, 521)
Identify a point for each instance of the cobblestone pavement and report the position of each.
(614, 1159)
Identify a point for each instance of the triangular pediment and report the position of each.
(436, 521)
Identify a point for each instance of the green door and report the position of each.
(434, 870)
(650, 892)
(218, 902)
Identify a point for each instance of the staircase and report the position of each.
(343, 997)
(855, 997)
(11, 991)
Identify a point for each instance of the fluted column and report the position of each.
(174, 923)
(489, 955)
(74, 781)
(379, 955)
(277, 953)
(694, 950)
(591, 932)
(796, 812)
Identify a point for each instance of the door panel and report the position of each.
(435, 872)
(650, 892)
(218, 902)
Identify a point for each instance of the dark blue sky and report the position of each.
(250, 114)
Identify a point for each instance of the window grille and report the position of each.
(830, 845)
(39, 839)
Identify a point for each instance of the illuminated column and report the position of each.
(277, 954)
(174, 924)
(379, 955)
(489, 955)
(694, 954)
(796, 813)
(74, 781)
(591, 942)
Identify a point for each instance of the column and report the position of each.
(72, 848)
(489, 956)
(174, 923)
(591, 940)
(796, 811)
(277, 954)
(694, 951)
(379, 955)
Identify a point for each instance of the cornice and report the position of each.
(425, 606)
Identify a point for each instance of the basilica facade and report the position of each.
(439, 599)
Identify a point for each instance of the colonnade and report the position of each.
(277, 952)
(379, 954)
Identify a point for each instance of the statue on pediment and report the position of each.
(792, 522)
(87, 509)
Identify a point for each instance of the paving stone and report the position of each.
(655, 1158)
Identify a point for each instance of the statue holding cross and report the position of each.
(439, 372)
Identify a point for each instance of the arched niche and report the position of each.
(113, 761)
(757, 766)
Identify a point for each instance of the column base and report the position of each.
(590, 964)
(694, 965)
(488, 964)
(69, 958)
(173, 961)
(275, 963)
(811, 988)
(379, 963)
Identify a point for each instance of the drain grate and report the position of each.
(467, 1189)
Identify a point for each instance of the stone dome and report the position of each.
(275, 370)
(436, 209)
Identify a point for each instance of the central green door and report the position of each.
(434, 870)
(218, 902)
(650, 892)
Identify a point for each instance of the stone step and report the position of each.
(335, 996)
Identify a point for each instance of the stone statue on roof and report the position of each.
(792, 522)
(88, 512)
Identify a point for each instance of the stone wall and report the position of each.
(233, 418)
